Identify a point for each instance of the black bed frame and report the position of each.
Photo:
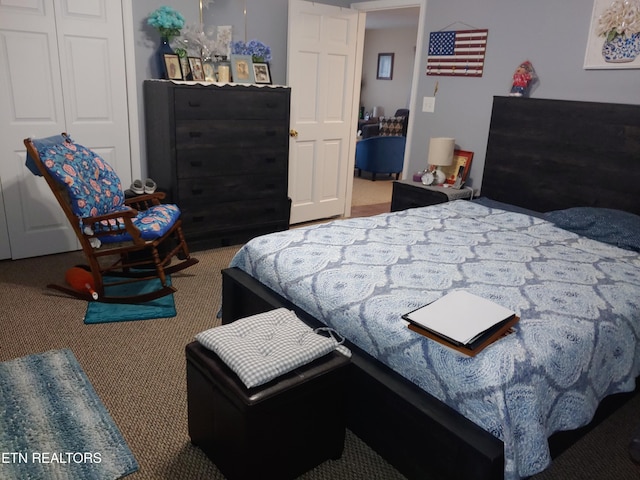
(412, 430)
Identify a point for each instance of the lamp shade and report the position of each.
(441, 151)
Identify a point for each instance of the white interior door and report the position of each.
(62, 68)
(321, 68)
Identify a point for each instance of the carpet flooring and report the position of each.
(138, 368)
(367, 192)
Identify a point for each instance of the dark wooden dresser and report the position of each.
(221, 152)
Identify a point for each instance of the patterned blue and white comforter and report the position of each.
(576, 342)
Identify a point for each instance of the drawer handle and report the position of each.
(270, 159)
(198, 219)
(196, 191)
(194, 104)
(195, 134)
(196, 163)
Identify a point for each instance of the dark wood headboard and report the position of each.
(552, 154)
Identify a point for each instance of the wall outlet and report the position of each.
(429, 104)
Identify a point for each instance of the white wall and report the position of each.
(551, 34)
(390, 94)
(147, 40)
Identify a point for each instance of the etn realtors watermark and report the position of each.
(50, 457)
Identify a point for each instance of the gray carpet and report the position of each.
(138, 371)
(367, 192)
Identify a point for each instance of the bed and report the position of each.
(428, 410)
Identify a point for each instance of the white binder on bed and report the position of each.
(461, 318)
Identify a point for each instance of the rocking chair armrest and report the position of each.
(124, 214)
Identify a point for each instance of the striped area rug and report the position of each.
(54, 426)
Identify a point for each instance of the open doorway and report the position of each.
(394, 28)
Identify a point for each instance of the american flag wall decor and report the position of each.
(458, 53)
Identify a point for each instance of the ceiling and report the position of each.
(396, 18)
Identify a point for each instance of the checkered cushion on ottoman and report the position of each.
(262, 347)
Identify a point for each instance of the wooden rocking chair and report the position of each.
(134, 239)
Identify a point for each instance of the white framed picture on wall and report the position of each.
(614, 35)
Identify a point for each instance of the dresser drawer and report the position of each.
(230, 216)
(194, 192)
(230, 133)
(206, 162)
(231, 103)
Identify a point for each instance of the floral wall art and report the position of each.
(614, 35)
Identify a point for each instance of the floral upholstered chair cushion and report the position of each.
(93, 186)
(95, 189)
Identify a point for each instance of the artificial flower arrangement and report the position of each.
(167, 21)
(258, 50)
(622, 17)
(201, 43)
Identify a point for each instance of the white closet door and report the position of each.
(91, 46)
(61, 69)
(30, 106)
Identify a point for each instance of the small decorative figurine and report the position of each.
(523, 78)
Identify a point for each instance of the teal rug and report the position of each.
(53, 425)
(163, 307)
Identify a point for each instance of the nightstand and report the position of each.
(410, 194)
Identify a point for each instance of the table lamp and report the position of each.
(441, 155)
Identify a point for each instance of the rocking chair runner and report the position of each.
(134, 239)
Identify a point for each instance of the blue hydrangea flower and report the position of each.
(258, 50)
(167, 21)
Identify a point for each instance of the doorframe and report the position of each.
(371, 6)
(128, 28)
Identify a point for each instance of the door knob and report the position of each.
(293, 133)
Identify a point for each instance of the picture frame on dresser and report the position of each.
(461, 159)
(242, 69)
(262, 73)
(172, 63)
(186, 70)
(197, 73)
(209, 70)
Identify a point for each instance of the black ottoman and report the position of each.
(277, 430)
